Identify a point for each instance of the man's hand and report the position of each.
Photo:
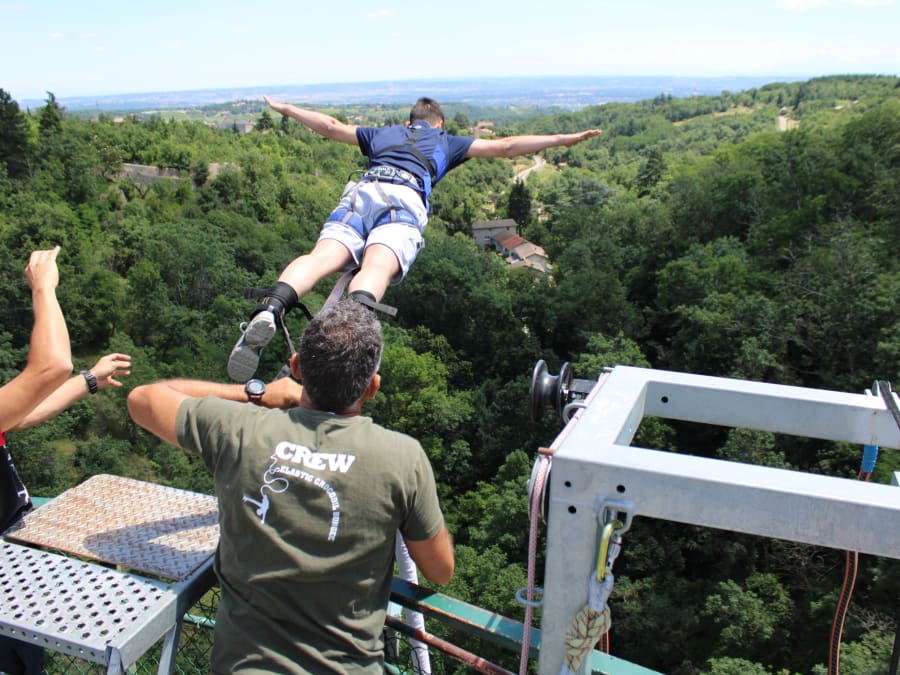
(283, 393)
(109, 367)
(275, 105)
(41, 271)
(580, 136)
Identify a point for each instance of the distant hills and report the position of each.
(567, 93)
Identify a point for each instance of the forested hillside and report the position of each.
(750, 235)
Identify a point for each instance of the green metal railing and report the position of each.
(457, 623)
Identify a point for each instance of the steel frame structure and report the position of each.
(597, 475)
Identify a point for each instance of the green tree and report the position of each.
(727, 665)
(749, 618)
(51, 116)
(495, 512)
(652, 167)
(14, 137)
(286, 125)
(95, 457)
(265, 122)
(416, 399)
(518, 205)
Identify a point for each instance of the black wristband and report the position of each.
(91, 381)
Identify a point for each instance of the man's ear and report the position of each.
(295, 366)
(374, 386)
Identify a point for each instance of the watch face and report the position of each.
(255, 387)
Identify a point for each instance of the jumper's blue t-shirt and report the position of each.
(393, 146)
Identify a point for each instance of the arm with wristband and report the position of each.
(102, 375)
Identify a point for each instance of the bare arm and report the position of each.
(154, 407)
(49, 357)
(434, 557)
(513, 146)
(321, 123)
(75, 388)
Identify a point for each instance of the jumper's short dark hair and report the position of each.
(339, 352)
(426, 109)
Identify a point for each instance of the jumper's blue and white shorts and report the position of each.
(384, 213)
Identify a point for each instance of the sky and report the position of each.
(94, 47)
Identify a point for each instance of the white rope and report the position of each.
(588, 626)
(421, 660)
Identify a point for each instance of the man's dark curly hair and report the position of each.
(339, 352)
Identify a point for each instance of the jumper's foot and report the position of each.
(244, 359)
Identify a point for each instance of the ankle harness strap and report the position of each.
(367, 299)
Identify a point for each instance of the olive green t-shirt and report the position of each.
(309, 507)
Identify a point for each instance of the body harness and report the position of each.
(385, 174)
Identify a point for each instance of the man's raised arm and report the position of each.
(323, 124)
(154, 406)
(50, 356)
(513, 146)
(104, 374)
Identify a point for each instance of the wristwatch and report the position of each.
(255, 390)
(90, 380)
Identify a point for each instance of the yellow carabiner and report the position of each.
(608, 530)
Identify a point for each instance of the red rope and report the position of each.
(851, 567)
(537, 496)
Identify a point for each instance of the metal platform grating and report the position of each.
(69, 606)
(118, 521)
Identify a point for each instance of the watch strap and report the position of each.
(91, 381)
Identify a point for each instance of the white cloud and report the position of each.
(87, 36)
(13, 7)
(381, 14)
(56, 35)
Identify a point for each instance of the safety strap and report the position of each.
(257, 293)
(351, 219)
(392, 218)
(373, 304)
(410, 145)
(339, 287)
(884, 388)
(391, 174)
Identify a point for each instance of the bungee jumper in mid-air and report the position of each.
(377, 227)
